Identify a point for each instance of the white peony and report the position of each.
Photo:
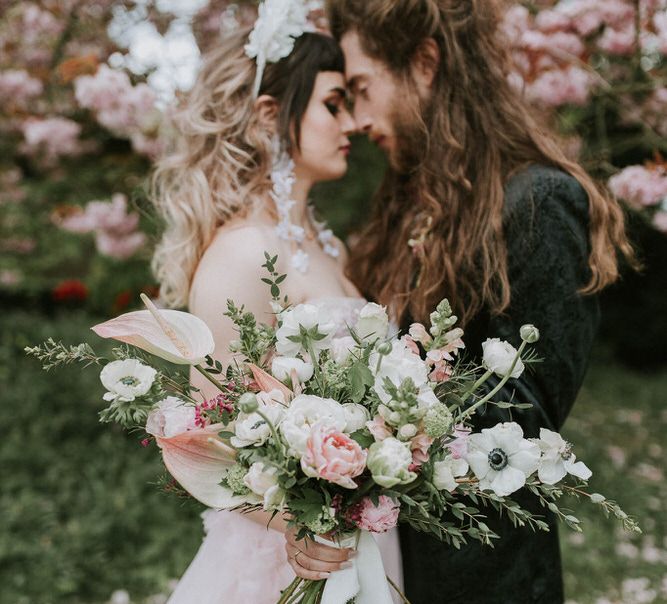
(262, 479)
(341, 349)
(282, 367)
(557, 459)
(171, 417)
(446, 471)
(498, 357)
(356, 417)
(389, 461)
(126, 380)
(373, 322)
(252, 430)
(307, 316)
(304, 411)
(502, 458)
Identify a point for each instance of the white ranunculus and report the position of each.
(341, 349)
(557, 459)
(502, 458)
(282, 367)
(356, 417)
(389, 462)
(304, 411)
(373, 322)
(274, 498)
(125, 380)
(252, 430)
(498, 357)
(446, 471)
(307, 316)
(399, 364)
(261, 477)
(171, 417)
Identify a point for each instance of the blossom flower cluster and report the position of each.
(115, 229)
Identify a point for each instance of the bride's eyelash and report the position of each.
(332, 108)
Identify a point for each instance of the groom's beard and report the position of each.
(410, 138)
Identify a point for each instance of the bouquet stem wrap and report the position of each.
(365, 580)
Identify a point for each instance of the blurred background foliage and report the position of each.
(84, 88)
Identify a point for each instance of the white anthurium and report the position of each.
(305, 411)
(356, 416)
(557, 459)
(498, 357)
(307, 316)
(501, 458)
(446, 472)
(127, 379)
(172, 335)
(282, 368)
(373, 322)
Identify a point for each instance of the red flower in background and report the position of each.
(71, 290)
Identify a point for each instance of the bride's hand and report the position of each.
(312, 560)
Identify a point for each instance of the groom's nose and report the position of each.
(363, 120)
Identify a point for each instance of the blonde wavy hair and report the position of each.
(216, 165)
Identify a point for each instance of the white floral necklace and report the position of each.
(282, 177)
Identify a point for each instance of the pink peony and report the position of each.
(378, 428)
(639, 186)
(377, 518)
(333, 456)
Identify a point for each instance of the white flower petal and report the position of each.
(507, 481)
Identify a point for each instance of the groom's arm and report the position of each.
(547, 237)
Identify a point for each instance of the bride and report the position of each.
(266, 120)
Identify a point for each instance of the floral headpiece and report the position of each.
(278, 25)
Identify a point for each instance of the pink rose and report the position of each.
(377, 519)
(419, 446)
(333, 456)
(378, 428)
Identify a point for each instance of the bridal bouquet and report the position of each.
(344, 435)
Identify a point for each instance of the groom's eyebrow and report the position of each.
(339, 90)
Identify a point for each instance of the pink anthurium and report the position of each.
(267, 382)
(173, 335)
(198, 459)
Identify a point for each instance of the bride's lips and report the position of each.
(346, 149)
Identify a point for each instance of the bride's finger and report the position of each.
(319, 551)
(304, 560)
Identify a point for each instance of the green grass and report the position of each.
(79, 517)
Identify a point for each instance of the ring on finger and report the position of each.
(296, 557)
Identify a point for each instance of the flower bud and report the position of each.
(597, 498)
(248, 403)
(529, 333)
(407, 431)
(394, 417)
(385, 348)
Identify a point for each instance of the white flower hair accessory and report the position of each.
(278, 25)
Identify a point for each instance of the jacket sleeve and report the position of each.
(546, 232)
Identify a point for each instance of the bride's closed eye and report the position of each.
(332, 107)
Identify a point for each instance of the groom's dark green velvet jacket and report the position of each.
(546, 231)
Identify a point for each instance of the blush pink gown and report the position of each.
(242, 562)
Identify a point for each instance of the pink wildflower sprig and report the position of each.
(213, 411)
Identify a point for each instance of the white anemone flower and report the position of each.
(557, 459)
(502, 458)
(125, 380)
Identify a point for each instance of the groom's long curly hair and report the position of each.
(462, 147)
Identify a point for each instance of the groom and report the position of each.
(479, 205)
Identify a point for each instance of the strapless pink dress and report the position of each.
(242, 562)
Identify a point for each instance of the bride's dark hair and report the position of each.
(218, 159)
(463, 147)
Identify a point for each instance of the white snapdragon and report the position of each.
(282, 368)
(304, 411)
(170, 417)
(557, 459)
(125, 380)
(389, 461)
(446, 472)
(253, 430)
(356, 417)
(373, 322)
(307, 316)
(502, 458)
(498, 357)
